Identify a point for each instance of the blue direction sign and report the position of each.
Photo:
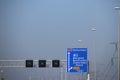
(77, 60)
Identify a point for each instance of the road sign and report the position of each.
(77, 60)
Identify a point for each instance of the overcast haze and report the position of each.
(43, 29)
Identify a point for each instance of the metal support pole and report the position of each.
(62, 70)
(30, 78)
(119, 48)
(94, 30)
(81, 46)
(118, 8)
(88, 74)
(65, 75)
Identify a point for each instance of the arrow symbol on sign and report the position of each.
(70, 68)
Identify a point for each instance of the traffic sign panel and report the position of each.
(77, 60)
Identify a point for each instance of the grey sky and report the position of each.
(43, 29)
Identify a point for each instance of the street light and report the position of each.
(94, 30)
(118, 9)
(80, 43)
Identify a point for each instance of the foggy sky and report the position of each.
(44, 29)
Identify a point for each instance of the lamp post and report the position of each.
(80, 41)
(94, 30)
(118, 9)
